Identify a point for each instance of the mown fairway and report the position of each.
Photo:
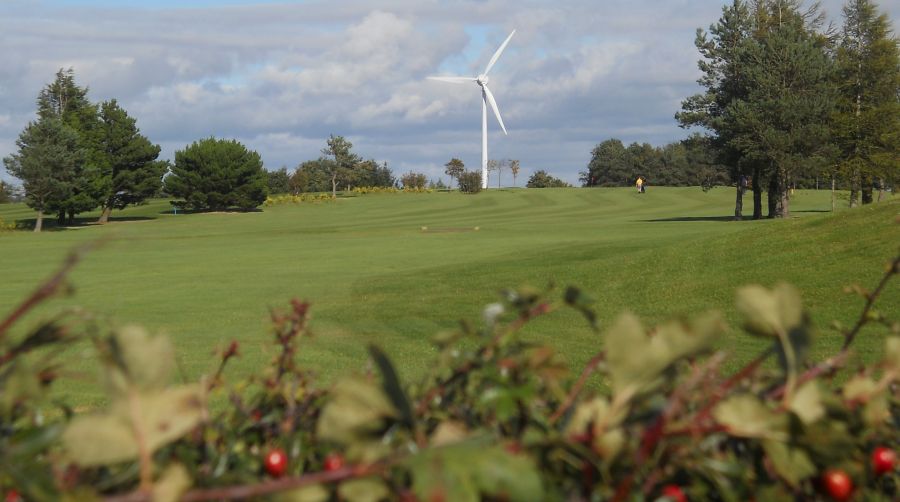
(374, 275)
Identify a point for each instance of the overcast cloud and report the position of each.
(281, 77)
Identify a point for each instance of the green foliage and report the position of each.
(413, 180)
(214, 174)
(47, 163)
(297, 199)
(339, 166)
(129, 169)
(540, 179)
(279, 182)
(454, 168)
(498, 416)
(868, 112)
(469, 182)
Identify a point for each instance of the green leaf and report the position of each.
(392, 387)
(806, 403)
(162, 417)
(473, 470)
(769, 313)
(637, 360)
(892, 353)
(793, 464)
(363, 490)
(313, 493)
(141, 359)
(172, 484)
(356, 416)
(747, 416)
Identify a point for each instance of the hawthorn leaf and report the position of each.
(140, 359)
(108, 438)
(793, 464)
(768, 313)
(363, 490)
(172, 484)
(747, 416)
(392, 386)
(892, 354)
(806, 403)
(356, 416)
(312, 493)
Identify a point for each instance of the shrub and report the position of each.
(496, 417)
(470, 182)
(540, 179)
(413, 180)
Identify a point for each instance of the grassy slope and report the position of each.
(373, 274)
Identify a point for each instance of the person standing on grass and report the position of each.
(640, 184)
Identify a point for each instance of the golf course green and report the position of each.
(394, 269)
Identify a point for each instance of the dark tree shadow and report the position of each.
(52, 225)
(204, 211)
(698, 218)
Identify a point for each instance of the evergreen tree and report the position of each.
(724, 82)
(63, 99)
(46, 163)
(214, 174)
(782, 123)
(541, 179)
(868, 117)
(129, 170)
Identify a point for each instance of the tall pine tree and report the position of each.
(129, 171)
(867, 123)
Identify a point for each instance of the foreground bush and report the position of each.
(496, 417)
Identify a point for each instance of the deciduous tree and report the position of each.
(454, 168)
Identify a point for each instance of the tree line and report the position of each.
(788, 99)
(686, 163)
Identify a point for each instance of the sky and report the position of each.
(280, 77)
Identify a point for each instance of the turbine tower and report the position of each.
(486, 97)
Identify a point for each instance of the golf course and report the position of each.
(394, 269)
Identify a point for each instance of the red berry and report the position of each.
(675, 493)
(838, 484)
(276, 462)
(883, 460)
(13, 496)
(333, 462)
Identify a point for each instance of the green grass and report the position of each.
(374, 275)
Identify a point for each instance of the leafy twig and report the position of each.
(892, 270)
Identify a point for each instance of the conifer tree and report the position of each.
(867, 123)
(129, 171)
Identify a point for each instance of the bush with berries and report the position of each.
(652, 416)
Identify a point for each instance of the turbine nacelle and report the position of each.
(481, 80)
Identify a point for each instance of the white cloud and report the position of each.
(282, 77)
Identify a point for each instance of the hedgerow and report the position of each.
(496, 417)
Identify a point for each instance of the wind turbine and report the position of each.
(486, 97)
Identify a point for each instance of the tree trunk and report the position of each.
(71, 219)
(880, 189)
(334, 187)
(104, 216)
(832, 193)
(39, 223)
(866, 190)
(739, 202)
(854, 189)
(773, 196)
(757, 194)
(61, 218)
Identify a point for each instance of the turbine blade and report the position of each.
(490, 99)
(497, 54)
(454, 80)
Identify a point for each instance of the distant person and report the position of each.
(744, 183)
(640, 184)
